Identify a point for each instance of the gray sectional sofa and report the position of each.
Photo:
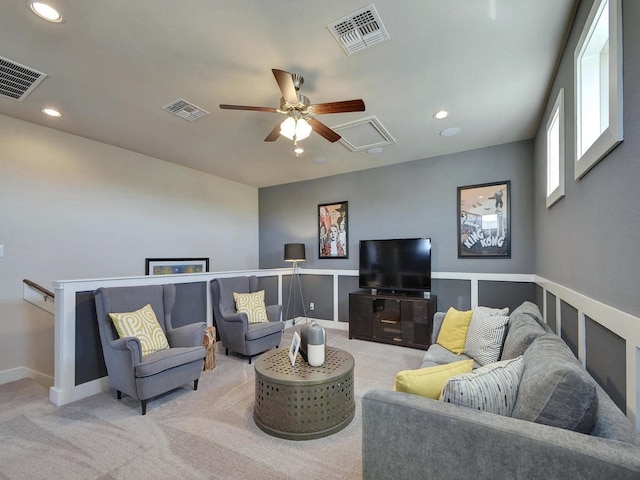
(409, 437)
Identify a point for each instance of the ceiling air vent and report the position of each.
(359, 30)
(185, 110)
(17, 81)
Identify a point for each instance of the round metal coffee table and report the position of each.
(302, 402)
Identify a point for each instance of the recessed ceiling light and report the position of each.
(375, 151)
(46, 12)
(441, 114)
(450, 132)
(51, 112)
(319, 160)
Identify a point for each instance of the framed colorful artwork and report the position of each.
(333, 230)
(174, 266)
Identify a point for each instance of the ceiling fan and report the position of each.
(300, 112)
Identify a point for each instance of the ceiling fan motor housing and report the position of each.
(303, 103)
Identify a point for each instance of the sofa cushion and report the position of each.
(253, 305)
(438, 355)
(142, 324)
(522, 330)
(491, 388)
(555, 390)
(486, 334)
(453, 332)
(428, 382)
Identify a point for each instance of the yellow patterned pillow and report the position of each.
(144, 325)
(253, 305)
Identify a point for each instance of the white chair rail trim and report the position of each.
(65, 391)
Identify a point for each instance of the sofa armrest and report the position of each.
(438, 317)
(190, 335)
(404, 436)
(127, 351)
(121, 356)
(274, 312)
(237, 317)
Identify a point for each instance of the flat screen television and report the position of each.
(398, 264)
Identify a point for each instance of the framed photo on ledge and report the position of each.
(333, 230)
(484, 220)
(293, 349)
(174, 266)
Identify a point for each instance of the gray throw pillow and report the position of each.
(555, 390)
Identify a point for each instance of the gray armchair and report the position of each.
(146, 377)
(236, 333)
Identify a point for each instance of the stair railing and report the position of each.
(38, 296)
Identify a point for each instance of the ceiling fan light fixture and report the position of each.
(298, 128)
(303, 129)
(288, 128)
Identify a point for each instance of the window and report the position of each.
(598, 74)
(555, 151)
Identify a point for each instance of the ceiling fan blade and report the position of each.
(321, 129)
(273, 136)
(338, 107)
(246, 107)
(285, 82)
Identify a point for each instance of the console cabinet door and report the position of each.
(360, 313)
(417, 322)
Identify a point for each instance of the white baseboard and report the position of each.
(61, 396)
(19, 373)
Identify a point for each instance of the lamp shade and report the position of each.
(294, 252)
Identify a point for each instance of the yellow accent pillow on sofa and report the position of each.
(453, 332)
(144, 325)
(253, 305)
(429, 382)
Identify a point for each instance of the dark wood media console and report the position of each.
(392, 318)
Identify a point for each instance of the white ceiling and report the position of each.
(112, 65)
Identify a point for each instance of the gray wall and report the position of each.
(71, 207)
(589, 240)
(415, 199)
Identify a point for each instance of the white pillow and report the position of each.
(486, 334)
(492, 388)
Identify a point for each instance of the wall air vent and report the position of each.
(364, 134)
(185, 110)
(18, 81)
(359, 30)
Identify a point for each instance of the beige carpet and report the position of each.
(209, 433)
